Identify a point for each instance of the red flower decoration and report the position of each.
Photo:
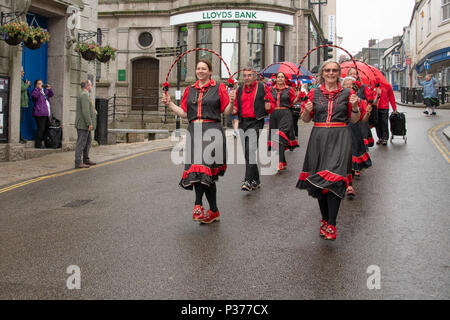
(231, 82)
(166, 86)
(303, 96)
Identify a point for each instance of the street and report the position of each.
(128, 227)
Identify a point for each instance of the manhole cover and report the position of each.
(76, 203)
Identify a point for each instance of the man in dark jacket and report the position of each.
(250, 108)
(85, 122)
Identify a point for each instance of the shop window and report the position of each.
(204, 40)
(255, 46)
(278, 48)
(182, 42)
(230, 48)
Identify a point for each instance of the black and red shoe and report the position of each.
(211, 217)
(331, 233)
(323, 228)
(198, 214)
(350, 192)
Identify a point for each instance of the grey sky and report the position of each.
(357, 21)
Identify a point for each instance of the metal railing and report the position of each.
(116, 101)
(415, 95)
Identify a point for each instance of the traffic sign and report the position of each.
(427, 65)
(168, 51)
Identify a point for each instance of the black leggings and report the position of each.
(329, 207)
(281, 154)
(211, 195)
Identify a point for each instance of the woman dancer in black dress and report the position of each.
(327, 168)
(281, 129)
(202, 104)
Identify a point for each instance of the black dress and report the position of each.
(205, 157)
(360, 155)
(328, 159)
(281, 119)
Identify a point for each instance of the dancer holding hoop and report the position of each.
(281, 129)
(327, 168)
(202, 104)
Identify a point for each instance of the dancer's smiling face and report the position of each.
(281, 79)
(203, 72)
(331, 73)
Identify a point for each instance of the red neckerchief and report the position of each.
(210, 83)
(250, 88)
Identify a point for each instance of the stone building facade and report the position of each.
(56, 63)
(245, 33)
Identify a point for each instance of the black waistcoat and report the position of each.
(258, 104)
(210, 106)
(284, 97)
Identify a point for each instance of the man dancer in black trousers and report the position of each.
(251, 110)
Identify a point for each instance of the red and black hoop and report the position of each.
(294, 71)
(326, 46)
(166, 84)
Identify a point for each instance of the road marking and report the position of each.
(55, 175)
(437, 142)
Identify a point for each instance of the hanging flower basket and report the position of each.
(33, 45)
(36, 38)
(13, 33)
(14, 40)
(106, 53)
(88, 51)
(103, 58)
(89, 55)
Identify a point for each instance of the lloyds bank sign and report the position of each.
(232, 15)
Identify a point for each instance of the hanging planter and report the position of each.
(106, 53)
(88, 51)
(14, 32)
(36, 38)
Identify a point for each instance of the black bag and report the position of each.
(398, 124)
(373, 118)
(53, 134)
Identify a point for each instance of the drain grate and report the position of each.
(76, 203)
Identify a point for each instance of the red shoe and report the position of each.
(350, 192)
(282, 166)
(357, 174)
(323, 228)
(211, 217)
(198, 214)
(331, 233)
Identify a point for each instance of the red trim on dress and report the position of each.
(291, 143)
(198, 168)
(361, 159)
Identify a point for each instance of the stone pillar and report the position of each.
(15, 64)
(192, 44)
(289, 52)
(216, 63)
(268, 46)
(243, 43)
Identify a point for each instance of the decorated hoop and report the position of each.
(325, 46)
(166, 84)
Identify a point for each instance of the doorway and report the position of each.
(145, 84)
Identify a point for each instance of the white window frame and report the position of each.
(445, 4)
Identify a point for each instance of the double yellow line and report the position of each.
(24, 183)
(438, 143)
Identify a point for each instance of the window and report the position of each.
(145, 39)
(278, 48)
(204, 40)
(445, 10)
(255, 46)
(421, 27)
(182, 38)
(230, 48)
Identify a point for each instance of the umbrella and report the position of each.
(289, 69)
(369, 74)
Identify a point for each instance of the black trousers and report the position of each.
(250, 130)
(295, 118)
(382, 124)
(329, 207)
(42, 123)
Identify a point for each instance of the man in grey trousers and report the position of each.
(85, 122)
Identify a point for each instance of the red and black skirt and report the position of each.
(205, 154)
(281, 130)
(366, 133)
(328, 162)
(360, 155)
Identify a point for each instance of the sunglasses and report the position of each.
(331, 70)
